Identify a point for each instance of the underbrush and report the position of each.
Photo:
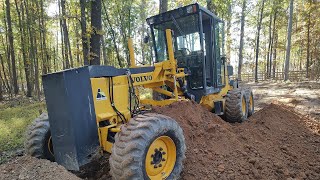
(14, 119)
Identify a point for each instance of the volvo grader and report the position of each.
(98, 109)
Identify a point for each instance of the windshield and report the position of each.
(185, 32)
(191, 42)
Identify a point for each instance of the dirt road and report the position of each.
(303, 97)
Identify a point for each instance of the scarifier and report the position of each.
(96, 109)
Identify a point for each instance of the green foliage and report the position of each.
(14, 121)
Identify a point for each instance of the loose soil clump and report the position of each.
(27, 167)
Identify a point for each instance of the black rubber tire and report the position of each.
(233, 108)
(37, 138)
(249, 94)
(127, 160)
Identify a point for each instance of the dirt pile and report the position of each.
(272, 144)
(27, 167)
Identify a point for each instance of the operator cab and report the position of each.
(197, 40)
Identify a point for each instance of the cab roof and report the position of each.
(181, 12)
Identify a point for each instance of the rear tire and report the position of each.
(38, 139)
(236, 109)
(136, 140)
(250, 101)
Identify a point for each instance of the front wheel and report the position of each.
(38, 139)
(150, 146)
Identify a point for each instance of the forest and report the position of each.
(44, 36)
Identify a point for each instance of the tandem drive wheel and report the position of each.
(150, 146)
(236, 106)
(250, 101)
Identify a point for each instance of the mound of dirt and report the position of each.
(27, 167)
(273, 144)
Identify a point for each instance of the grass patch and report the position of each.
(14, 121)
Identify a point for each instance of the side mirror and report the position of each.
(146, 39)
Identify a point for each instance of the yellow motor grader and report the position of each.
(98, 108)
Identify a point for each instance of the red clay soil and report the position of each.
(274, 143)
(27, 167)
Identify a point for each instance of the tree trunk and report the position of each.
(286, 65)
(36, 71)
(83, 21)
(41, 52)
(269, 45)
(97, 29)
(7, 51)
(65, 33)
(104, 53)
(258, 41)
(1, 89)
(229, 40)
(241, 38)
(11, 47)
(23, 49)
(163, 6)
(64, 59)
(5, 79)
(31, 51)
(144, 50)
(45, 60)
(308, 45)
(272, 42)
(113, 36)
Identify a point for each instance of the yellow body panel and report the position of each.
(103, 108)
(165, 73)
(208, 101)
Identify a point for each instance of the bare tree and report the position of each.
(241, 38)
(308, 43)
(258, 41)
(269, 45)
(286, 65)
(67, 51)
(229, 32)
(273, 49)
(11, 49)
(23, 49)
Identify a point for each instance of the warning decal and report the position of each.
(101, 95)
